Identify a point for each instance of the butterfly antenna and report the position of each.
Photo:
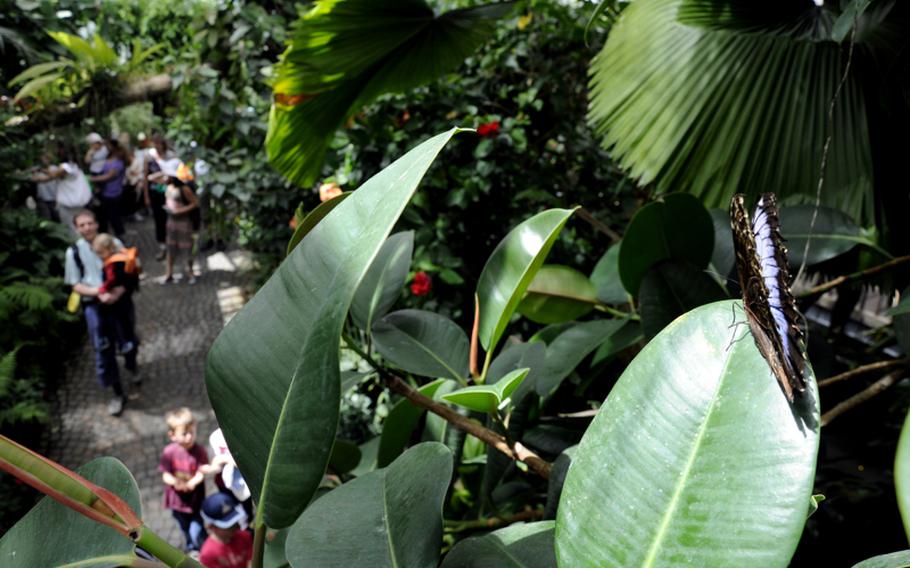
(719, 276)
(735, 341)
(825, 148)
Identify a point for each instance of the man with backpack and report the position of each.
(85, 273)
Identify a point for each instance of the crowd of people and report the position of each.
(92, 203)
(92, 198)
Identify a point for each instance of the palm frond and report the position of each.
(714, 112)
(345, 53)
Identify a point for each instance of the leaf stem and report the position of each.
(835, 282)
(597, 224)
(160, 549)
(259, 530)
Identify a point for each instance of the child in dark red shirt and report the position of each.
(183, 467)
(228, 544)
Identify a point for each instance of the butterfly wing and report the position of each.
(763, 278)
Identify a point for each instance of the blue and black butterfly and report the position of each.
(761, 261)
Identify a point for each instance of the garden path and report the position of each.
(176, 324)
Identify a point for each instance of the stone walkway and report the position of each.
(177, 324)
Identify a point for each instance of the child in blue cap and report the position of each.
(228, 544)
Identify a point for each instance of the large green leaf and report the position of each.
(342, 54)
(423, 343)
(510, 269)
(558, 294)
(677, 227)
(696, 454)
(901, 322)
(693, 108)
(629, 334)
(899, 559)
(383, 281)
(400, 423)
(902, 475)
(606, 277)
(272, 373)
(75, 538)
(833, 234)
(390, 517)
(671, 289)
(570, 348)
(723, 257)
(528, 545)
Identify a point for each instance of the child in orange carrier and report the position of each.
(121, 278)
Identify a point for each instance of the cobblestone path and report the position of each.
(176, 324)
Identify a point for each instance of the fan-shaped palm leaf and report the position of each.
(714, 97)
(345, 53)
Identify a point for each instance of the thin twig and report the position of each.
(829, 126)
(835, 282)
(872, 390)
(493, 522)
(519, 453)
(597, 224)
(862, 370)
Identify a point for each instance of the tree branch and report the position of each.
(519, 453)
(597, 224)
(862, 370)
(872, 390)
(493, 522)
(135, 91)
(835, 282)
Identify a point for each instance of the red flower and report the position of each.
(422, 284)
(488, 128)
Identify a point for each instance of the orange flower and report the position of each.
(329, 190)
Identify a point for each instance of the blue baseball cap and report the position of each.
(223, 511)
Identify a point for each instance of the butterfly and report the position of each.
(761, 261)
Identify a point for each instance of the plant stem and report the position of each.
(862, 370)
(517, 452)
(875, 388)
(160, 549)
(259, 531)
(493, 522)
(835, 282)
(597, 224)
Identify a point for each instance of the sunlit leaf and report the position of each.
(696, 454)
(558, 294)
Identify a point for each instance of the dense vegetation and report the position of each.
(574, 304)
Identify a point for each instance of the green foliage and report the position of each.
(704, 492)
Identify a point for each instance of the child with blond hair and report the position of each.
(183, 466)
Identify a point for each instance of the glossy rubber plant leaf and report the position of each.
(723, 258)
(899, 559)
(423, 343)
(316, 215)
(696, 454)
(273, 372)
(626, 336)
(400, 423)
(902, 475)
(345, 456)
(692, 97)
(437, 429)
(387, 518)
(527, 545)
(677, 227)
(342, 54)
(558, 294)
(670, 289)
(606, 277)
(510, 269)
(570, 348)
(75, 538)
(384, 281)
(901, 322)
(833, 234)
(487, 398)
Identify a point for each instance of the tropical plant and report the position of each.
(706, 437)
(716, 97)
